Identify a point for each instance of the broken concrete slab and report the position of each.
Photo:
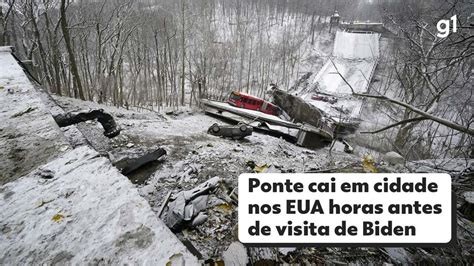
(297, 108)
(128, 165)
(86, 213)
(303, 112)
(236, 254)
(199, 219)
(188, 204)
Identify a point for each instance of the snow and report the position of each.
(29, 136)
(356, 72)
(356, 45)
(60, 204)
(355, 58)
(11, 74)
(290, 33)
(195, 156)
(103, 217)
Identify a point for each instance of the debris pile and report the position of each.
(298, 109)
(186, 207)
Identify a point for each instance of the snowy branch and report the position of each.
(424, 114)
(406, 121)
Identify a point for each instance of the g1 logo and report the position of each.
(443, 26)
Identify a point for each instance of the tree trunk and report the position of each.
(2, 28)
(183, 55)
(72, 60)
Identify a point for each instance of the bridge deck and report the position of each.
(356, 57)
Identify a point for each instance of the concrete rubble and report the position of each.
(187, 205)
(85, 212)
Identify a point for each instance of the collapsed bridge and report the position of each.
(355, 57)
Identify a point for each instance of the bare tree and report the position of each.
(72, 60)
(4, 21)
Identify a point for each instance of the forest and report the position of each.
(154, 54)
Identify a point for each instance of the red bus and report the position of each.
(250, 102)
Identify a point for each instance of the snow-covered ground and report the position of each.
(288, 34)
(82, 180)
(195, 156)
